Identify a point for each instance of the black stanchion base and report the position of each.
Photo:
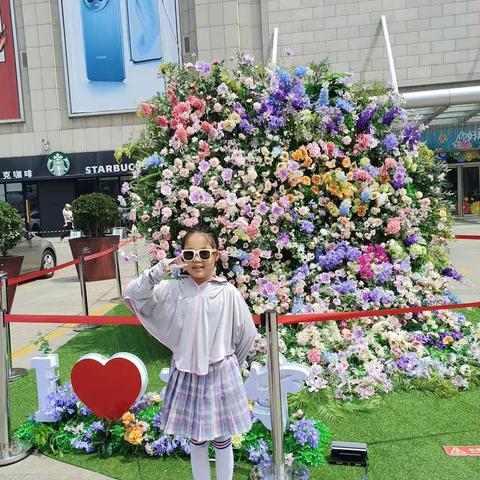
(17, 373)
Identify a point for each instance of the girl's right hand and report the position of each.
(175, 265)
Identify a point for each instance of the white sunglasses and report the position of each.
(203, 254)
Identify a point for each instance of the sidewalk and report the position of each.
(465, 255)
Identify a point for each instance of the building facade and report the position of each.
(435, 45)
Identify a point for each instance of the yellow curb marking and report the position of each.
(60, 331)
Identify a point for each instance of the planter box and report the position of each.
(11, 266)
(102, 268)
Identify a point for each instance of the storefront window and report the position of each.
(452, 177)
(2, 192)
(471, 190)
(14, 196)
(108, 186)
(85, 185)
(33, 208)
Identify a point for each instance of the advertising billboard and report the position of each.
(112, 51)
(10, 92)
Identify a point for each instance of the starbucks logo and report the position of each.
(58, 164)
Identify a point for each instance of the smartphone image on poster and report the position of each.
(102, 35)
(144, 30)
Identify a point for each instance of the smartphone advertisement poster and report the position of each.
(10, 94)
(112, 50)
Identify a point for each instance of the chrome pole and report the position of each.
(10, 450)
(14, 373)
(118, 280)
(83, 285)
(278, 463)
(135, 256)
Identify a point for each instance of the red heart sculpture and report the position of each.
(109, 387)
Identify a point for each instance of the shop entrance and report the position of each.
(465, 182)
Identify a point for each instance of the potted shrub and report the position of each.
(12, 228)
(94, 214)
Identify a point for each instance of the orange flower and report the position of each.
(291, 197)
(128, 418)
(316, 179)
(315, 189)
(362, 210)
(307, 162)
(297, 155)
(134, 435)
(306, 180)
(346, 162)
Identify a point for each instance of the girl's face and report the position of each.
(200, 270)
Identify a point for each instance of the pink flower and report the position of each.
(156, 236)
(164, 245)
(314, 356)
(162, 121)
(145, 218)
(181, 134)
(161, 254)
(393, 226)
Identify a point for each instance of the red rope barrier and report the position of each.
(467, 237)
(99, 254)
(337, 316)
(283, 319)
(41, 273)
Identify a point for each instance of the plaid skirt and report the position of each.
(204, 407)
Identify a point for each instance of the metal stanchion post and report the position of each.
(278, 464)
(83, 285)
(118, 279)
(14, 373)
(135, 256)
(10, 450)
(83, 291)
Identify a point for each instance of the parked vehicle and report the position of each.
(38, 254)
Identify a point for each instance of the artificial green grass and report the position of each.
(404, 436)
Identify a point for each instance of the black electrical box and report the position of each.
(348, 453)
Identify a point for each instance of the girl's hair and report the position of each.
(204, 230)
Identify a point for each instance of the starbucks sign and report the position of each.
(58, 164)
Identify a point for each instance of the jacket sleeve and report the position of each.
(146, 296)
(245, 328)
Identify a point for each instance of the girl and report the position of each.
(205, 322)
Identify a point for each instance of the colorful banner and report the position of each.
(10, 104)
(453, 138)
(112, 51)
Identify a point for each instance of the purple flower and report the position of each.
(227, 175)
(82, 445)
(323, 98)
(204, 166)
(344, 287)
(365, 118)
(450, 272)
(260, 454)
(283, 239)
(390, 115)
(411, 135)
(390, 142)
(268, 288)
(344, 105)
(411, 239)
(304, 432)
(98, 426)
(262, 208)
(307, 226)
(203, 67)
(398, 180)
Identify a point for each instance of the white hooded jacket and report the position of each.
(200, 324)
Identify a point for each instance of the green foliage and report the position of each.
(11, 228)
(94, 214)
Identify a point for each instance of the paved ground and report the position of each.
(61, 294)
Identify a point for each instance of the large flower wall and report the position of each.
(324, 200)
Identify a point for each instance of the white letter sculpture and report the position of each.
(292, 378)
(46, 384)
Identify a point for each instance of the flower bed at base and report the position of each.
(324, 200)
(78, 429)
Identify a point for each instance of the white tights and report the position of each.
(223, 459)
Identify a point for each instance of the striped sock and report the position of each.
(199, 460)
(223, 458)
